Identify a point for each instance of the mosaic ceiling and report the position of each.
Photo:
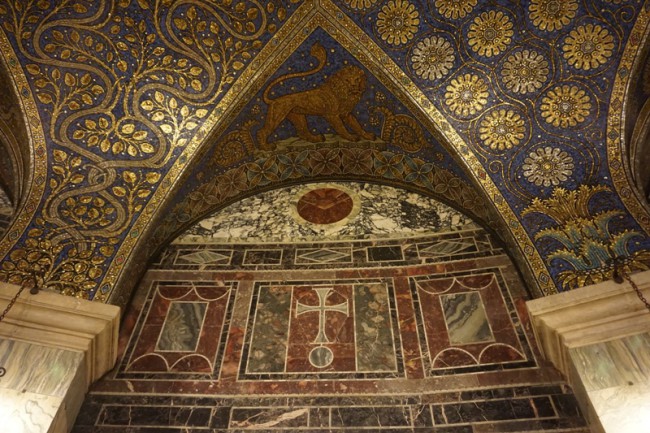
(144, 116)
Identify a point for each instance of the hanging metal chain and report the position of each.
(3, 371)
(620, 275)
(637, 290)
(11, 303)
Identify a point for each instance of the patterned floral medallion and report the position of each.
(565, 106)
(552, 15)
(490, 33)
(433, 58)
(397, 22)
(588, 47)
(360, 4)
(548, 166)
(455, 9)
(466, 95)
(502, 129)
(524, 71)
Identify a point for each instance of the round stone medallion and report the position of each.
(324, 205)
(321, 356)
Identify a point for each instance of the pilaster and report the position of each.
(599, 337)
(52, 348)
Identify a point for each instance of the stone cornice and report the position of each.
(589, 315)
(50, 319)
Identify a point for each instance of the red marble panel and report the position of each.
(442, 353)
(338, 328)
(408, 330)
(146, 358)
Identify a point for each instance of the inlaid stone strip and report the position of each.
(263, 257)
(203, 257)
(256, 418)
(391, 253)
(268, 349)
(375, 350)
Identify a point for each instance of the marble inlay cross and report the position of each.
(322, 309)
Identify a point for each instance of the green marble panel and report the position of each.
(182, 327)
(375, 349)
(270, 334)
(466, 319)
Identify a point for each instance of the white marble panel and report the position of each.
(37, 369)
(623, 409)
(27, 412)
(621, 362)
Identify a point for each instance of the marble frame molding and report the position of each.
(586, 334)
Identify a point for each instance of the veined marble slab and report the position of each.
(272, 217)
(27, 412)
(182, 327)
(466, 319)
(270, 331)
(373, 329)
(51, 371)
(623, 409)
(622, 362)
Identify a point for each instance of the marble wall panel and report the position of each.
(266, 217)
(373, 366)
(180, 329)
(203, 257)
(438, 248)
(323, 256)
(468, 320)
(322, 330)
(548, 408)
(270, 330)
(254, 257)
(375, 343)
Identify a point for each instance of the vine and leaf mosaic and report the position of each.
(121, 89)
(518, 104)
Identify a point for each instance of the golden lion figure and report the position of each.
(334, 100)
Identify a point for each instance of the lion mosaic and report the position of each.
(333, 100)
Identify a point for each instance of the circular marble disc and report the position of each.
(321, 356)
(325, 205)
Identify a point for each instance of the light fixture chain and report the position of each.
(637, 290)
(11, 303)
